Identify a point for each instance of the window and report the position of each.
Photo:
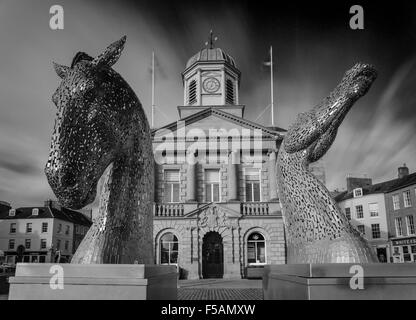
(28, 243)
(212, 185)
(67, 228)
(172, 183)
(58, 244)
(375, 231)
(399, 226)
(359, 213)
(358, 192)
(252, 177)
(406, 199)
(28, 228)
(192, 92)
(66, 245)
(361, 229)
(229, 94)
(42, 259)
(410, 225)
(169, 249)
(44, 227)
(348, 213)
(13, 228)
(43, 243)
(11, 244)
(59, 228)
(256, 249)
(396, 202)
(373, 208)
(10, 259)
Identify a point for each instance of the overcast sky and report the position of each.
(313, 46)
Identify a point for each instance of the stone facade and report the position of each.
(233, 227)
(233, 224)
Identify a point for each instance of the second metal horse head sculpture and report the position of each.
(316, 229)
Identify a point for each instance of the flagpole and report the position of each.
(153, 89)
(271, 84)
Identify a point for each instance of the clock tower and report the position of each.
(211, 78)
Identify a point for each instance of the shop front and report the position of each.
(403, 250)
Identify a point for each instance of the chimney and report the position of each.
(403, 171)
(53, 204)
(354, 183)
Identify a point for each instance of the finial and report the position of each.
(211, 40)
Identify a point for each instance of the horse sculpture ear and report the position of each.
(110, 56)
(60, 70)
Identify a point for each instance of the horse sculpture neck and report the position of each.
(122, 231)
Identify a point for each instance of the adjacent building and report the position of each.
(384, 213)
(401, 213)
(216, 214)
(40, 234)
(364, 205)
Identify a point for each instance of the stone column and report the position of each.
(191, 185)
(272, 175)
(233, 181)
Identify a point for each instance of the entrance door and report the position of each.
(212, 256)
(382, 254)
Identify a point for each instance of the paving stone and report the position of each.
(219, 294)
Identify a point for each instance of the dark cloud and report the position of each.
(18, 166)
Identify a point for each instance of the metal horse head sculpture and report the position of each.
(101, 125)
(316, 229)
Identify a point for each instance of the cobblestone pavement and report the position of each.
(220, 289)
(219, 294)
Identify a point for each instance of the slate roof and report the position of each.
(382, 187)
(47, 212)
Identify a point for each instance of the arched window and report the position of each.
(192, 92)
(229, 92)
(169, 249)
(256, 249)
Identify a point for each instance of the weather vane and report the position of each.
(211, 40)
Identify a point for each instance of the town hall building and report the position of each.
(216, 213)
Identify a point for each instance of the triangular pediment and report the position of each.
(215, 119)
(214, 209)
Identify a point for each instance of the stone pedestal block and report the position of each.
(339, 281)
(44, 281)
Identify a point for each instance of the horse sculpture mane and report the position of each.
(316, 229)
(101, 126)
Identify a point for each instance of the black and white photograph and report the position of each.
(235, 151)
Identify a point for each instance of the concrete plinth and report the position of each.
(333, 281)
(43, 281)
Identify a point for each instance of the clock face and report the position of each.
(211, 85)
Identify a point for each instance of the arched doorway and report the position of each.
(212, 256)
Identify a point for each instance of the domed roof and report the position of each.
(211, 54)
